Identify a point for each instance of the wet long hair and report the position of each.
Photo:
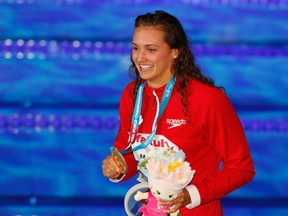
(184, 66)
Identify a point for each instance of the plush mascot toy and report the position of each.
(166, 179)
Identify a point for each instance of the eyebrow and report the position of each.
(147, 45)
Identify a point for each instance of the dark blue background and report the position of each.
(63, 66)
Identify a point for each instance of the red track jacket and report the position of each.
(213, 141)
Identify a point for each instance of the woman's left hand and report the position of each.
(183, 199)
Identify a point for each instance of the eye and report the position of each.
(158, 192)
(171, 195)
(151, 49)
(135, 49)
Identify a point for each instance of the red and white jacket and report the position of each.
(213, 136)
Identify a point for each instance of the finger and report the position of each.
(112, 164)
(178, 200)
(174, 208)
(110, 168)
(110, 173)
(175, 204)
(165, 203)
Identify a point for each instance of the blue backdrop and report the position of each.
(63, 66)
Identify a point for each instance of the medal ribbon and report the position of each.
(137, 114)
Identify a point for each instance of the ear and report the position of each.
(175, 53)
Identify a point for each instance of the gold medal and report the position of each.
(118, 158)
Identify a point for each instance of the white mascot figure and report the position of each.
(166, 179)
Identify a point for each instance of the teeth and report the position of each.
(145, 67)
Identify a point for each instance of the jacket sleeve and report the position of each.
(227, 138)
(121, 142)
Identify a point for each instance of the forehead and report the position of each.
(148, 35)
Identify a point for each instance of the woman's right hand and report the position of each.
(110, 168)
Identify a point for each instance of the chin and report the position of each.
(144, 77)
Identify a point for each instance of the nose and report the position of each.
(141, 56)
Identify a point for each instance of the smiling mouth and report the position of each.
(145, 67)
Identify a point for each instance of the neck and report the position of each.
(157, 84)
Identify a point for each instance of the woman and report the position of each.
(194, 117)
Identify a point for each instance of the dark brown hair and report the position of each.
(184, 65)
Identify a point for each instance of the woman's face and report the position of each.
(152, 56)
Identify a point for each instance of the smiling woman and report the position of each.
(63, 67)
(164, 71)
(152, 56)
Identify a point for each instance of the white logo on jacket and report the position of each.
(175, 122)
(159, 141)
